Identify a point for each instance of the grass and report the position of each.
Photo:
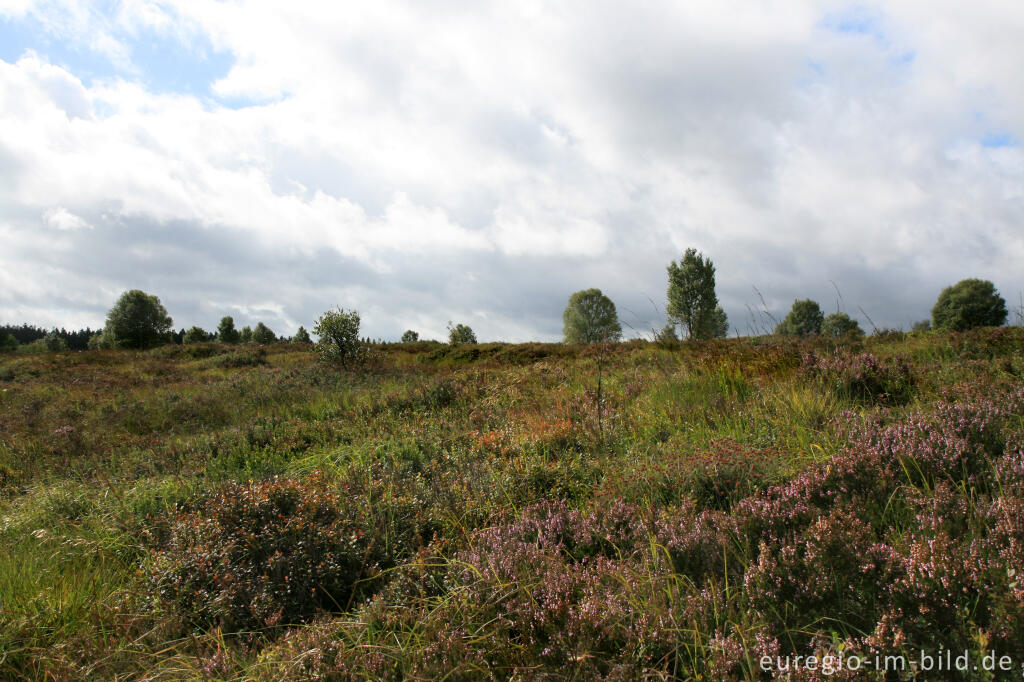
(524, 522)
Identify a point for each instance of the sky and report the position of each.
(478, 162)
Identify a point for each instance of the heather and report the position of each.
(497, 512)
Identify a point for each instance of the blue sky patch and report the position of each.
(997, 140)
(162, 63)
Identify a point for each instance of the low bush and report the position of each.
(864, 378)
(266, 554)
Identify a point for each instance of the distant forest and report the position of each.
(26, 333)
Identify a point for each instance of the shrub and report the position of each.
(263, 335)
(590, 317)
(840, 325)
(137, 320)
(265, 554)
(460, 333)
(667, 337)
(98, 341)
(804, 319)
(864, 378)
(250, 357)
(339, 337)
(968, 304)
(195, 335)
(226, 332)
(7, 342)
(409, 336)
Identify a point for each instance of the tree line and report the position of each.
(139, 320)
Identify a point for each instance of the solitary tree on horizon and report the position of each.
(692, 302)
(590, 317)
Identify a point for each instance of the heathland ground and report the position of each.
(532, 511)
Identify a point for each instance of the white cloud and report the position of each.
(452, 155)
(62, 219)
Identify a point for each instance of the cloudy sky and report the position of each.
(434, 160)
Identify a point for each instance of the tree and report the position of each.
(226, 332)
(98, 341)
(967, 304)
(7, 342)
(137, 320)
(195, 335)
(667, 336)
(839, 325)
(263, 335)
(590, 317)
(245, 336)
(460, 333)
(302, 336)
(410, 336)
(339, 337)
(717, 325)
(804, 319)
(692, 302)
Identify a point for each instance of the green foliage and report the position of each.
(667, 336)
(590, 317)
(968, 304)
(98, 341)
(137, 320)
(717, 326)
(804, 319)
(195, 335)
(692, 301)
(247, 357)
(839, 325)
(302, 336)
(245, 336)
(339, 337)
(409, 336)
(7, 342)
(226, 332)
(922, 326)
(263, 335)
(460, 333)
(51, 343)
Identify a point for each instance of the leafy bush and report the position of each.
(590, 317)
(265, 554)
(460, 333)
(250, 357)
(339, 337)
(226, 332)
(409, 336)
(195, 335)
(51, 343)
(840, 325)
(968, 304)
(98, 341)
(263, 335)
(804, 319)
(137, 320)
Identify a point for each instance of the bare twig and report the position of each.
(764, 307)
(874, 329)
(839, 294)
